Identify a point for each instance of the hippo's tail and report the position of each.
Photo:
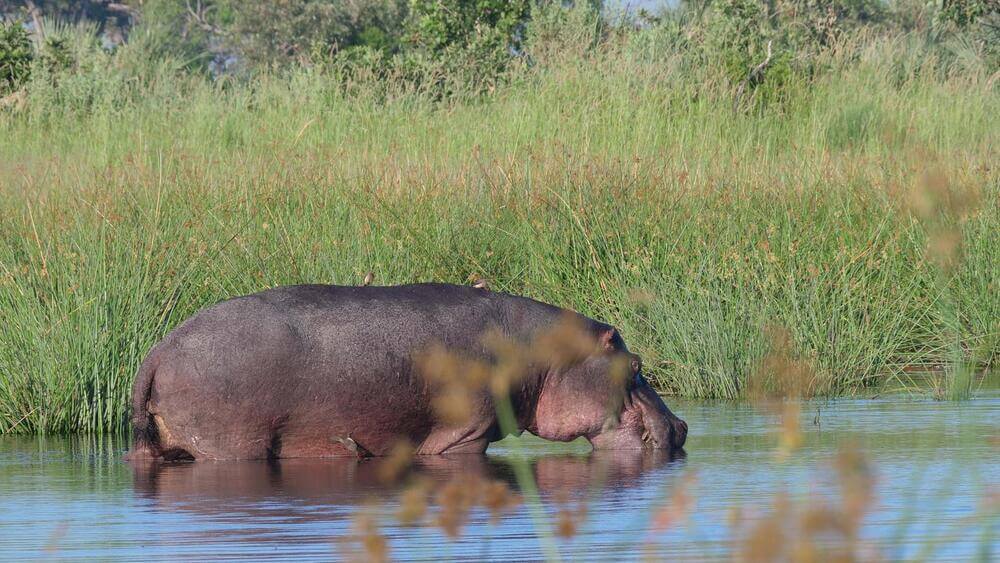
(145, 438)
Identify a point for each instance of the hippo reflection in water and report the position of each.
(209, 487)
(325, 371)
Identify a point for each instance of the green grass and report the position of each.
(617, 182)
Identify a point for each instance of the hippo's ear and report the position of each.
(636, 364)
(606, 339)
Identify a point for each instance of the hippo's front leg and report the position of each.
(472, 438)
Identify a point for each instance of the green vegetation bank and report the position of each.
(711, 179)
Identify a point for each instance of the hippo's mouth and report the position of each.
(649, 441)
(660, 428)
(644, 423)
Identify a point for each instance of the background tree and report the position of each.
(438, 25)
(279, 31)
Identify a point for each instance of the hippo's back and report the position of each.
(346, 318)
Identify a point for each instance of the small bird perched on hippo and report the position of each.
(318, 371)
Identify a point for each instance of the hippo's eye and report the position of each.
(634, 382)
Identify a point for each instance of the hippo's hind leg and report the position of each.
(180, 443)
(190, 426)
(220, 390)
(170, 448)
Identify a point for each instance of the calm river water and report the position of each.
(936, 474)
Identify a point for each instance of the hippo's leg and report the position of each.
(193, 425)
(472, 438)
(179, 442)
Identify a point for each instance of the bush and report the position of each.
(966, 12)
(817, 24)
(15, 57)
(56, 55)
(753, 54)
(979, 21)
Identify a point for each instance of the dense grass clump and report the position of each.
(857, 208)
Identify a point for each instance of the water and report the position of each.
(935, 467)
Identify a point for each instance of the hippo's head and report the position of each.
(605, 398)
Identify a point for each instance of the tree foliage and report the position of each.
(439, 25)
(759, 47)
(967, 12)
(278, 31)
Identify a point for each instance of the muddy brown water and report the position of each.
(936, 465)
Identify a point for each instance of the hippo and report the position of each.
(313, 371)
